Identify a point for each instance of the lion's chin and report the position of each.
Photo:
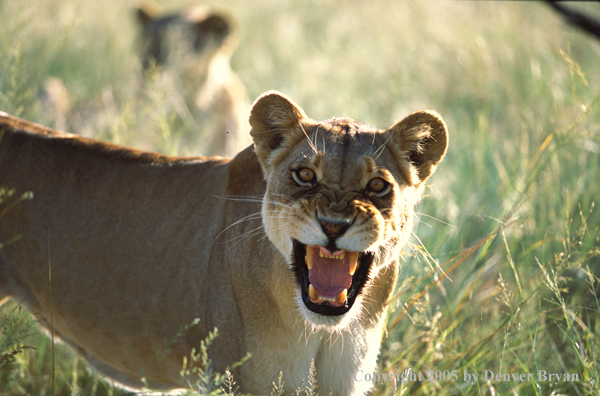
(330, 282)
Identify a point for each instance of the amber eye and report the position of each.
(305, 175)
(378, 185)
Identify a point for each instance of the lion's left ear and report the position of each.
(423, 139)
(275, 120)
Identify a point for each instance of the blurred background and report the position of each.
(509, 215)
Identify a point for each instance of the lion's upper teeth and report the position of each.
(353, 258)
(310, 256)
(338, 255)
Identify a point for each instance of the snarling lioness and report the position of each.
(289, 249)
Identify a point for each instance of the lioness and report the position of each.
(290, 249)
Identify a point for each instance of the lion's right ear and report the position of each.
(275, 120)
(421, 138)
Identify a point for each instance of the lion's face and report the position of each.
(338, 209)
(340, 198)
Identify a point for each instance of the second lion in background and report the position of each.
(191, 50)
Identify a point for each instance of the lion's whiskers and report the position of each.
(253, 216)
(310, 143)
(238, 239)
(257, 200)
(379, 151)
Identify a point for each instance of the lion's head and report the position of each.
(340, 197)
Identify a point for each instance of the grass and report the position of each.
(510, 215)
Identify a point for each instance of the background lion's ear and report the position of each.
(147, 12)
(423, 138)
(273, 118)
(216, 26)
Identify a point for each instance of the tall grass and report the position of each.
(510, 217)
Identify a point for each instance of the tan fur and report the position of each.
(141, 244)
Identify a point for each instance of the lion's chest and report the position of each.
(332, 359)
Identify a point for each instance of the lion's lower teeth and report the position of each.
(316, 297)
(341, 298)
(313, 293)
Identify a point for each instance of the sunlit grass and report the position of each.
(511, 214)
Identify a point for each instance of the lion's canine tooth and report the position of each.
(313, 293)
(353, 258)
(341, 298)
(310, 256)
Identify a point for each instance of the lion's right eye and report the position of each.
(304, 175)
(379, 186)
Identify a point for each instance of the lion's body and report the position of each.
(122, 249)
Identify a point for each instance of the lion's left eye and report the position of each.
(378, 186)
(304, 176)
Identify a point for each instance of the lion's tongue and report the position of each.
(330, 276)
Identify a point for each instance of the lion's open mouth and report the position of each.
(330, 281)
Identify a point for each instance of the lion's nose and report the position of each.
(333, 229)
